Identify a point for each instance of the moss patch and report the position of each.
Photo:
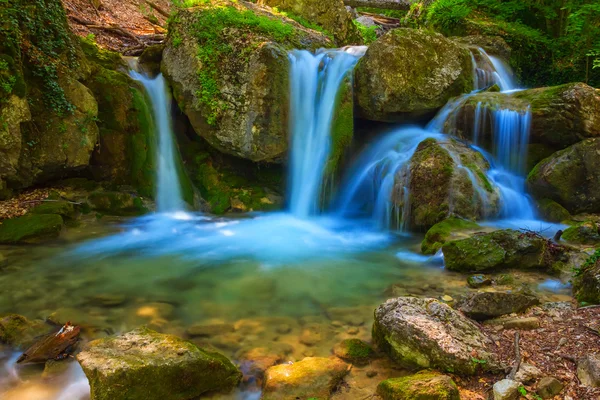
(59, 207)
(354, 351)
(30, 228)
(438, 234)
(423, 385)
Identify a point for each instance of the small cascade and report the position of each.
(490, 70)
(315, 82)
(168, 190)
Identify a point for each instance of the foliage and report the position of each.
(553, 41)
(591, 261)
(368, 33)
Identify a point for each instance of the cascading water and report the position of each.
(315, 82)
(168, 190)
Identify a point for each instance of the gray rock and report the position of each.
(527, 373)
(506, 389)
(426, 333)
(481, 306)
(588, 370)
(477, 281)
(548, 387)
(522, 323)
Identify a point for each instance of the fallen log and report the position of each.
(383, 4)
(53, 346)
(158, 8)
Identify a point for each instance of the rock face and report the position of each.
(586, 285)
(425, 333)
(30, 228)
(313, 377)
(143, 364)
(444, 179)
(493, 45)
(424, 385)
(408, 74)
(486, 305)
(331, 15)
(570, 177)
(500, 249)
(560, 116)
(228, 65)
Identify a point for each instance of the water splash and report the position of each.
(168, 190)
(315, 82)
(492, 70)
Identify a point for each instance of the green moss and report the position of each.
(354, 351)
(110, 60)
(342, 126)
(30, 228)
(60, 207)
(583, 233)
(141, 154)
(304, 22)
(552, 211)
(426, 385)
(438, 234)
(586, 283)
(116, 203)
(19, 332)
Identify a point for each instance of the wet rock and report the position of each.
(209, 330)
(331, 15)
(506, 389)
(354, 316)
(108, 300)
(583, 233)
(256, 361)
(478, 281)
(423, 385)
(237, 100)
(481, 306)
(528, 373)
(410, 74)
(30, 228)
(548, 387)
(445, 178)
(149, 60)
(314, 333)
(54, 368)
(116, 203)
(501, 249)
(313, 377)
(354, 351)
(53, 346)
(552, 211)
(155, 310)
(586, 284)
(143, 364)
(442, 232)
(570, 177)
(425, 333)
(493, 45)
(60, 207)
(588, 370)
(18, 331)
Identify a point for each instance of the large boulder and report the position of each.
(486, 305)
(331, 15)
(30, 228)
(428, 385)
(409, 73)
(426, 333)
(501, 249)
(313, 377)
(571, 177)
(143, 364)
(586, 284)
(445, 178)
(228, 65)
(588, 370)
(13, 113)
(586, 233)
(560, 115)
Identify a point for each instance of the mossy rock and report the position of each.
(60, 207)
(570, 177)
(30, 228)
(106, 58)
(552, 211)
(587, 233)
(409, 74)
(441, 232)
(227, 62)
(20, 332)
(425, 385)
(487, 305)
(149, 60)
(478, 281)
(586, 284)
(117, 203)
(354, 351)
(146, 365)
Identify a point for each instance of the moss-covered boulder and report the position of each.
(228, 65)
(560, 115)
(330, 15)
(487, 305)
(444, 178)
(13, 112)
(425, 385)
(354, 351)
(20, 332)
(551, 211)
(493, 45)
(143, 364)
(313, 377)
(571, 177)
(449, 229)
(586, 284)
(587, 233)
(30, 228)
(116, 203)
(60, 207)
(426, 333)
(409, 73)
(501, 249)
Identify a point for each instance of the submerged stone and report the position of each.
(313, 377)
(423, 385)
(477, 281)
(354, 351)
(486, 305)
(30, 228)
(551, 211)
(448, 229)
(425, 333)
(408, 74)
(20, 332)
(145, 365)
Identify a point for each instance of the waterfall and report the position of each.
(315, 82)
(492, 70)
(168, 190)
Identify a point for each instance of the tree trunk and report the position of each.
(383, 4)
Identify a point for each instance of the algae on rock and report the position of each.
(428, 385)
